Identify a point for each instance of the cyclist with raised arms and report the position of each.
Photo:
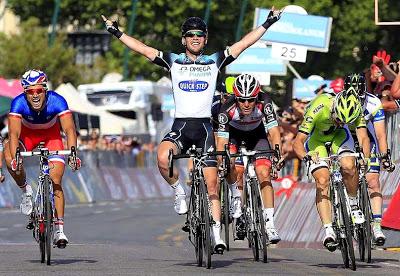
(249, 117)
(38, 115)
(326, 121)
(375, 118)
(194, 77)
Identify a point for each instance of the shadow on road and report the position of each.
(359, 265)
(67, 261)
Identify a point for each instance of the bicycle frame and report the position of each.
(42, 216)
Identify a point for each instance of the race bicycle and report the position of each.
(199, 219)
(253, 205)
(341, 210)
(43, 214)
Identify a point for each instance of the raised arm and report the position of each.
(252, 37)
(132, 43)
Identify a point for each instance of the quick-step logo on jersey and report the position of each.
(193, 85)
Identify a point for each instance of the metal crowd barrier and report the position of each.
(393, 133)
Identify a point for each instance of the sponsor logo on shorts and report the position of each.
(268, 109)
(193, 86)
(222, 118)
(309, 119)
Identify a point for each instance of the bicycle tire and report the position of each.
(205, 216)
(195, 227)
(250, 225)
(347, 226)
(367, 231)
(48, 216)
(42, 243)
(259, 220)
(225, 211)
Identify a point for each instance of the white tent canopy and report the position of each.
(109, 123)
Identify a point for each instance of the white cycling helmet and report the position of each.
(33, 77)
(246, 86)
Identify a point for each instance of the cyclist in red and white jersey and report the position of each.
(250, 117)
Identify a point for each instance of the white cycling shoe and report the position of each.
(356, 215)
(379, 237)
(235, 208)
(330, 240)
(273, 235)
(180, 205)
(60, 239)
(26, 205)
(219, 245)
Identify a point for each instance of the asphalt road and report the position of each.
(126, 238)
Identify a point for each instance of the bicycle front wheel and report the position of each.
(347, 226)
(250, 219)
(365, 229)
(48, 216)
(259, 220)
(205, 217)
(225, 210)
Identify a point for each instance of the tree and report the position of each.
(29, 49)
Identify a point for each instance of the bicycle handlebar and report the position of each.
(193, 153)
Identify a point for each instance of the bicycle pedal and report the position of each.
(30, 226)
(186, 228)
(61, 244)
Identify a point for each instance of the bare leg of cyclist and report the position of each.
(323, 202)
(56, 174)
(267, 194)
(26, 205)
(350, 179)
(376, 205)
(210, 175)
(180, 205)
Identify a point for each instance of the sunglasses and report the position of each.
(249, 100)
(195, 33)
(34, 91)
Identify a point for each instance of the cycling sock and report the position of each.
(216, 229)
(178, 188)
(353, 201)
(23, 187)
(377, 219)
(234, 190)
(59, 223)
(269, 217)
(328, 228)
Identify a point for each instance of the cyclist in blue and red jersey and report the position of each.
(38, 115)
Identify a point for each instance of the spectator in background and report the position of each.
(2, 177)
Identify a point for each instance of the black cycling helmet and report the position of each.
(357, 84)
(193, 23)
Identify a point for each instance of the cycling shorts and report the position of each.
(186, 132)
(30, 139)
(255, 139)
(341, 142)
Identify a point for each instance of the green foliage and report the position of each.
(30, 49)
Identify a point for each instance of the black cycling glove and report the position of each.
(113, 29)
(387, 163)
(273, 16)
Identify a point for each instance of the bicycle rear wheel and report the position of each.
(365, 229)
(225, 210)
(48, 216)
(259, 220)
(205, 217)
(347, 226)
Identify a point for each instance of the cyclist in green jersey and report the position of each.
(327, 120)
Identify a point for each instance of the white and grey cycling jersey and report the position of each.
(193, 82)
